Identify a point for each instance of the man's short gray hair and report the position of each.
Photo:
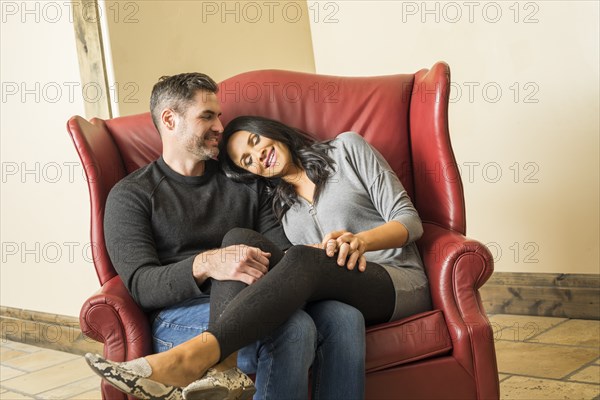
(177, 92)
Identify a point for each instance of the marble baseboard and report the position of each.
(550, 295)
(57, 332)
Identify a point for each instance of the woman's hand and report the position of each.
(350, 249)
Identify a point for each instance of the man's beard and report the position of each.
(196, 146)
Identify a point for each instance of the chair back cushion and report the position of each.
(137, 139)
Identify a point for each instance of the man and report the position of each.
(162, 226)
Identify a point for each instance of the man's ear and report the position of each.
(168, 119)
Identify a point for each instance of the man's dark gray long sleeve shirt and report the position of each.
(156, 221)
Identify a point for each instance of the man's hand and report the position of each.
(349, 247)
(233, 263)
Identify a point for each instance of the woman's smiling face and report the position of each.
(259, 155)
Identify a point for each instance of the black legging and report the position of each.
(241, 314)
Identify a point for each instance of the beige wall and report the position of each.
(221, 39)
(46, 261)
(529, 155)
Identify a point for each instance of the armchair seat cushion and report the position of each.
(417, 337)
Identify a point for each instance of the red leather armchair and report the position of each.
(447, 353)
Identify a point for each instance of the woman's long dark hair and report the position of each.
(306, 153)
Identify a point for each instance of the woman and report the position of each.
(339, 195)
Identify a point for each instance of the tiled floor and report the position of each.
(28, 372)
(547, 358)
(538, 358)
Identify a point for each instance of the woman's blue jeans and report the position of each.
(327, 335)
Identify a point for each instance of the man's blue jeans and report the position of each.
(328, 335)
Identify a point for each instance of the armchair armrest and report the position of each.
(457, 267)
(112, 317)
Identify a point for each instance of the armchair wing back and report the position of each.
(446, 353)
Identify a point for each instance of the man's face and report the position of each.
(199, 127)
